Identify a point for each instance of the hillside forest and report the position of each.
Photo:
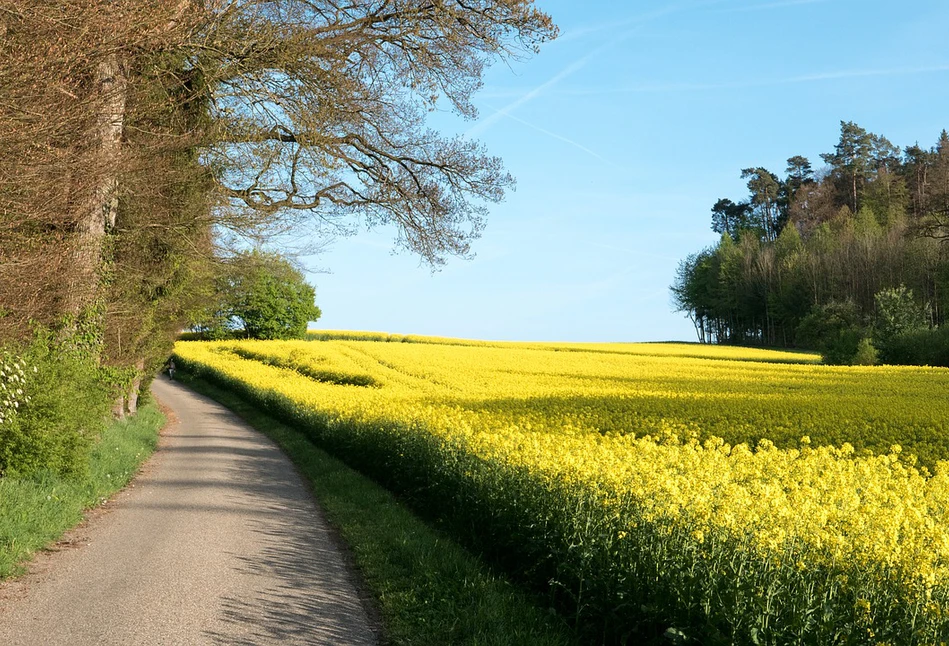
(845, 258)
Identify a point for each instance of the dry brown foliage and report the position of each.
(130, 130)
(52, 166)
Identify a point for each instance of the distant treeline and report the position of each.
(875, 218)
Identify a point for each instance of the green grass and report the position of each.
(37, 511)
(429, 590)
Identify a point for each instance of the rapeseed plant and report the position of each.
(734, 500)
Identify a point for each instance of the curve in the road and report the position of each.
(218, 542)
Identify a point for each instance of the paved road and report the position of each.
(217, 542)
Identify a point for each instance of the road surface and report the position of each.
(217, 542)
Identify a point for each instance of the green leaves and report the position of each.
(62, 401)
(263, 295)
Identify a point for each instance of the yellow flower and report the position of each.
(683, 443)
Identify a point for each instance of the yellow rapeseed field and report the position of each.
(738, 496)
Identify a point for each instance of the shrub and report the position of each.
(835, 330)
(866, 354)
(897, 314)
(55, 402)
(920, 348)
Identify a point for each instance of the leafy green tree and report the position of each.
(836, 330)
(731, 218)
(851, 161)
(264, 296)
(883, 154)
(799, 171)
(934, 220)
(799, 174)
(694, 292)
(790, 298)
(765, 190)
(916, 170)
(897, 314)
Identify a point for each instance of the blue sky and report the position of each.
(622, 133)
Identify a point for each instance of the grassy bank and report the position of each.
(36, 511)
(429, 590)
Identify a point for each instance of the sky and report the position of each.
(622, 133)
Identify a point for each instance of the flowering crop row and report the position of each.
(599, 475)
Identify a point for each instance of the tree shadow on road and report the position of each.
(302, 581)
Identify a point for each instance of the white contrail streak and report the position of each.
(773, 5)
(559, 137)
(484, 124)
(735, 85)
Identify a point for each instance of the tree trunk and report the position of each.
(132, 398)
(855, 192)
(118, 408)
(99, 206)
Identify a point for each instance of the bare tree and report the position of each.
(318, 109)
(132, 133)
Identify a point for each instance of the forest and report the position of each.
(850, 255)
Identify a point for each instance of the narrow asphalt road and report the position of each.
(217, 542)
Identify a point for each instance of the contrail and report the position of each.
(567, 140)
(733, 85)
(636, 21)
(773, 5)
(904, 71)
(484, 124)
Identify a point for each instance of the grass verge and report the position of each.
(36, 511)
(429, 590)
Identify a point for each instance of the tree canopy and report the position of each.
(259, 295)
(143, 142)
(320, 107)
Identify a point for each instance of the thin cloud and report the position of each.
(773, 5)
(641, 19)
(734, 85)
